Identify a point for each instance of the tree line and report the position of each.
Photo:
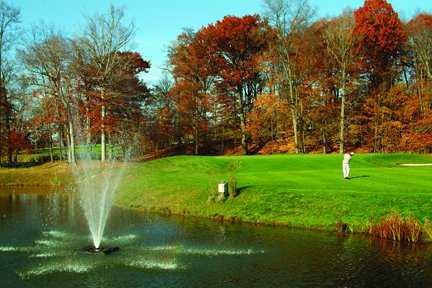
(282, 81)
(65, 92)
(286, 82)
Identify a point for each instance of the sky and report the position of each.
(159, 22)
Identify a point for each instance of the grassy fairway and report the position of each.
(299, 190)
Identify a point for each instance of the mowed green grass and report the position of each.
(297, 190)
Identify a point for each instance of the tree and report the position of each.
(381, 41)
(420, 40)
(264, 120)
(47, 58)
(420, 45)
(127, 96)
(9, 18)
(104, 37)
(193, 81)
(339, 42)
(235, 47)
(289, 18)
(381, 37)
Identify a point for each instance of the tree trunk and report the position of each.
(324, 141)
(88, 128)
(9, 142)
(223, 138)
(7, 119)
(61, 142)
(72, 142)
(243, 132)
(110, 147)
(342, 116)
(103, 144)
(302, 128)
(196, 139)
(294, 111)
(242, 116)
(295, 130)
(51, 148)
(375, 139)
(68, 144)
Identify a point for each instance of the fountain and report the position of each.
(100, 250)
(97, 183)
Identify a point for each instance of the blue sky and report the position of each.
(159, 22)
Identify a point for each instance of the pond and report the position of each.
(41, 237)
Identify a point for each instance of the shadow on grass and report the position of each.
(362, 176)
(243, 188)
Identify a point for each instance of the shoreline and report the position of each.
(223, 219)
(298, 191)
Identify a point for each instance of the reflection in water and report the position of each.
(41, 237)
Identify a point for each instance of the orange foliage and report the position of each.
(380, 33)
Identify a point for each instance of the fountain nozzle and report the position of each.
(100, 250)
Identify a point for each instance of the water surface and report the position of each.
(40, 238)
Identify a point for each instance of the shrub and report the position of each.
(342, 227)
(427, 228)
(232, 186)
(396, 228)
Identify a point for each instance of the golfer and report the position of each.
(345, 164)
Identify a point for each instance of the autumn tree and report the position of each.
(47, 58)
(127, 96)
(290, 19)
(191, 70)
(9, 18)
(420, 40)
(162, 119)
(235, 47)
(105, 36)
(339, 42)
(381, 39)
(266, 119)
(420, 44)
(418, 107)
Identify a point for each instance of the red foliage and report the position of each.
(18, 141)
(235, 45)
(421, 21)
(380, 35)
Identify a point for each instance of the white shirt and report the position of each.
(347, 158)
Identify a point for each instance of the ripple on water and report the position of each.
(201, 251)
(44, 255)
(217, 252)
(15, 249)
(161, 248)
(152, 264)
(56, 267)
(49, 243)
(123, 238)
(56, 234)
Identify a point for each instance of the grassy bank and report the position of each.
(45, 175)
(42, 155)
(297, 190)
(304, 191)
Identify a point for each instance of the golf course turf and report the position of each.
(297, 190)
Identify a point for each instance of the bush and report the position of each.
(427, 228)
(396, 228)
(232, 186)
